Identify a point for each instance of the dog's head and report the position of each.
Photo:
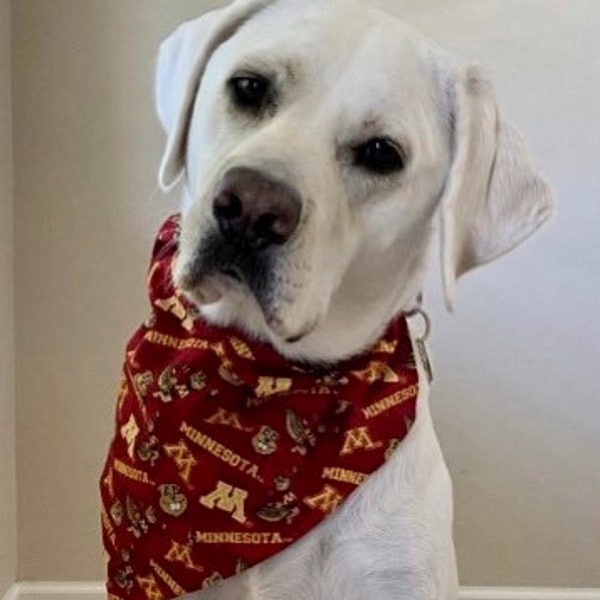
(320, 141)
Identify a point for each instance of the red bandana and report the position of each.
(225, 453)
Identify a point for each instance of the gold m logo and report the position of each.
(176, 307)
(229, 419)
(387, 347)
(108, 482)
(377, 371)
(241, 348)
(228, 499)
(358, 439)
(182, 554)
(150, 587)
(183, 458)
(130, 431)
(268, 386)
(326, 501)
(123, 389)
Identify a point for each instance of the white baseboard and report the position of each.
(95, 591)
(75, 590)
(12, 593)
(499, 593)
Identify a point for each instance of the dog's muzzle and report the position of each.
(254, 216)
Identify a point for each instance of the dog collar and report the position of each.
(225, 453)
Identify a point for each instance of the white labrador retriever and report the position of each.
(373, 136)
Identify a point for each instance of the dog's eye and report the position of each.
(379, 156)
(249, 92)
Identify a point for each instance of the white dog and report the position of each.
(351, 137)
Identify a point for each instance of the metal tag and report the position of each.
(424, 356)
(421, 346)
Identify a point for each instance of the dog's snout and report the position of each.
(255, 211)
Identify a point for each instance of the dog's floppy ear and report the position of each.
(182, 59)
(494, 198)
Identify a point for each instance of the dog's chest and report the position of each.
(392, 539)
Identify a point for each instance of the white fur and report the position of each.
(348, 73)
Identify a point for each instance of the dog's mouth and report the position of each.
(215, 271)
(213, 287)
(206, 287)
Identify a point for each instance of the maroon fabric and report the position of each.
(225, 453)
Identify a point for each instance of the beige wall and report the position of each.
(85, 154)
(8, 539)
(516, 395)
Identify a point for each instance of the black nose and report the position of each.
(254, 211)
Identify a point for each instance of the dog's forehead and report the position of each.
(343, 44)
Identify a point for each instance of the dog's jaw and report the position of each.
(225, 302)
(230, 294)
(350, 325)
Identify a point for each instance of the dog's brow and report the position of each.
(368, 127)
(372, 125)
(283, 69)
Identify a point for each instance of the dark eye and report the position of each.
(249, 92)
(379, 156)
